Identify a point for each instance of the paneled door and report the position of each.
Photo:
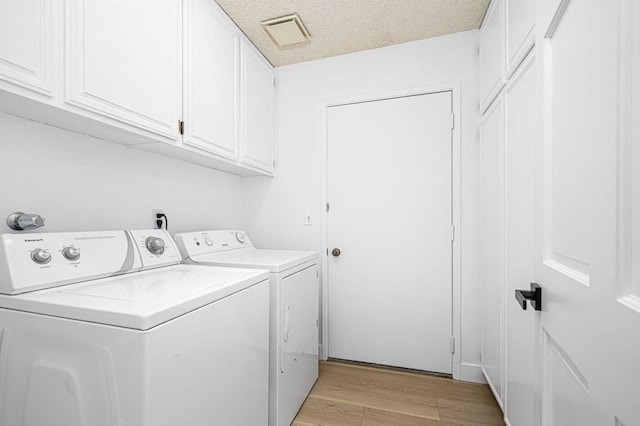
(492, 246)
(389, 232)
(588, 251)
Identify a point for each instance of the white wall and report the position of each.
(81, 183)
(274, 208)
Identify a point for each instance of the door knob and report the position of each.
(534, 296)
(335, 252)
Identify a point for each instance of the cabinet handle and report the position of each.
(534, 296)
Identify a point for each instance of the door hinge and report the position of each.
(181, 127)
(453, 233)
(453, 121)
(327, 207)
(452, 344)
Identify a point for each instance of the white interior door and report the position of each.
(389, 188)
(588, 251)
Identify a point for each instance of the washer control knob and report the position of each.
(208, 241)
(71, 253)
(41, 256)
(241, 237)
(155, 245)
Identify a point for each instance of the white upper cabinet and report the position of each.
(492, 53)
(521, 18)
(257, 121)
(26, 47)
(211, 79)
(176, 77)
(123, 62)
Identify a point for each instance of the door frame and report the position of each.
(325, 104)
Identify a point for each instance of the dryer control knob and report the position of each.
(241, 237)
(41, 256)
(208, 241)
(71, 253)
(155, 245)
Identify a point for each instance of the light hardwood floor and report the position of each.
(347, 394)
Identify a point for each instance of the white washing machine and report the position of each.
(293, 365)
(106, 328)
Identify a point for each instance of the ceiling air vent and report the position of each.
(286, 30)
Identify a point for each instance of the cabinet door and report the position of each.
(122, 62)
(211, 84)
(257, 121)
(26, 43)
(491, 223)
(521, 17)
(492, 54)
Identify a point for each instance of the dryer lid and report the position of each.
(273, 260)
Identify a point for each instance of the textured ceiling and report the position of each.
(345, 26)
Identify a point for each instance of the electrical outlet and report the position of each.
(154, 218)
(308, 220)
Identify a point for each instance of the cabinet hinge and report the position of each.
(453, 233)
(181, 127)
(452, 344)
(453, 121)
(327, 207)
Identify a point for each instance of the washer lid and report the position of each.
(141, 300)
(273, 260)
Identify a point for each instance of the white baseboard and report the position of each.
(472, 373)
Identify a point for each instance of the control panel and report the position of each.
(195, 243)
(156, 248)
(31, 262)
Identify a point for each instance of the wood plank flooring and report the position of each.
(347, 394)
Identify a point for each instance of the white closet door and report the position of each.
(123, 61)
(491, 246)
(389, 188)
(521, 19)
(521, 346)
(492, 53)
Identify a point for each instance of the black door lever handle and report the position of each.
(534, 296)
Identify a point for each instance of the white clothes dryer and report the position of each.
(294, 295)
(107, 328)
